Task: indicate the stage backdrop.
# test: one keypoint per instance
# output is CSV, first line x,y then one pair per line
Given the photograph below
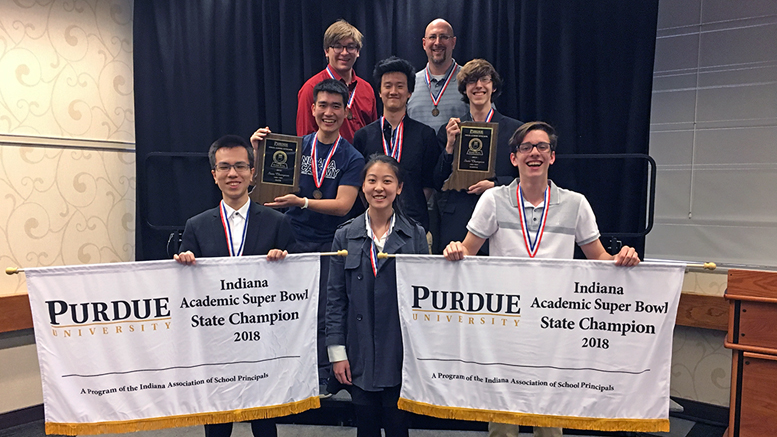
x,y
204,69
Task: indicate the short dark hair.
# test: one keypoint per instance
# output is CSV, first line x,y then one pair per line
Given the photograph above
x,y
332,86
525,128
391,65
230,141
474,70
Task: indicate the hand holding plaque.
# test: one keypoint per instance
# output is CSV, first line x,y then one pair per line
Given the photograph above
x,y
277,163
474,155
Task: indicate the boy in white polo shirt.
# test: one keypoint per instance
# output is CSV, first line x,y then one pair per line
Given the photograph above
x,y
515,220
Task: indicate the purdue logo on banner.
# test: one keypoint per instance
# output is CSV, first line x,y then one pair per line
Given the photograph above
x,y
141,346
575,344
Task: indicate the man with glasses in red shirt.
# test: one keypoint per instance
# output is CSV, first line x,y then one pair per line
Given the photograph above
x,y
342,43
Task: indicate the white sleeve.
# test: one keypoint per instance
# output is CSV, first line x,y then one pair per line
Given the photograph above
x,y
336,352
586,229
483,222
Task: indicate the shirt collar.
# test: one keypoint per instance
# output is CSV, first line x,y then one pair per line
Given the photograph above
x,y
340,78
514,200
243,210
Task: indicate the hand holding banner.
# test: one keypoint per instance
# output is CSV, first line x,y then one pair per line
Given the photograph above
x,y
141,346
576,344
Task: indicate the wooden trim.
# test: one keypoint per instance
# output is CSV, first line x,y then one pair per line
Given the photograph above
x,y
744,284
755,349
750,298
15,313
760,356
703,311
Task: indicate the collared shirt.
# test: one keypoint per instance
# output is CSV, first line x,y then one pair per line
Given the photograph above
x,y
420,105
570,221
363,109
237,218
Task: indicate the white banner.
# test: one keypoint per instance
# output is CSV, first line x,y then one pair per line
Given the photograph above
x,y
575,344
149,345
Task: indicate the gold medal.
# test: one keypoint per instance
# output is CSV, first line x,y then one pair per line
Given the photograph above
x,y
435,111
317,194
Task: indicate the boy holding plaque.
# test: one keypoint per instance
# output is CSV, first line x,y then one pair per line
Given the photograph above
x,y
330,177
534,218
479,84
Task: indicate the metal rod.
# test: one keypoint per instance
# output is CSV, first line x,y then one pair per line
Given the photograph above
x,y
705,266
343,252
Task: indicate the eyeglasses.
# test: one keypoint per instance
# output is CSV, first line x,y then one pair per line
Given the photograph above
x,y
441,38
485,80
240,167
526,147
351,48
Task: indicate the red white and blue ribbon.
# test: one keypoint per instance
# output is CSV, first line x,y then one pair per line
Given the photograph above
x,y
318,175
488,116
447,80
373,247
394,149
228,230
353,92
532,248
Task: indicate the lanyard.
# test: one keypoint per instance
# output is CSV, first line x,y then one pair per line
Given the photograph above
x,y
228,230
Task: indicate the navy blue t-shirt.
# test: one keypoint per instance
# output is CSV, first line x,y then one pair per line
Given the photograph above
x,y
344,169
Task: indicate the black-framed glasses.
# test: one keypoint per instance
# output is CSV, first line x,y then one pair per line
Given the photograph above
x,y
350,48
526,147
240,167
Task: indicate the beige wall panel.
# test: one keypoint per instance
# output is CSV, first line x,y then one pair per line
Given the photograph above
x,y
701,366
65,71
64,206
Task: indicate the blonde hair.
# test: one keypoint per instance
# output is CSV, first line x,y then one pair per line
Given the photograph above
x,y
339,30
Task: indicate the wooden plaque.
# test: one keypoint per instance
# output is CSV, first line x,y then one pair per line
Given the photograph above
x,y
277,163
474,155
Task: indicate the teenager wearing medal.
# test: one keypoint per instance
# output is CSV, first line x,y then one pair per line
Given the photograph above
x,y
362,316
236,227
329,183
342,44
436,101
411,143
479,85
536,219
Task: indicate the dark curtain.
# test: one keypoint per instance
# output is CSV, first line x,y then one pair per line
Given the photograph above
x,y
204,69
